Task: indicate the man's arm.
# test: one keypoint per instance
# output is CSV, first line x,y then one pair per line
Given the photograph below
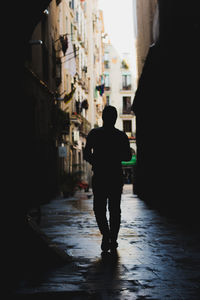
x,y
126,149
87,152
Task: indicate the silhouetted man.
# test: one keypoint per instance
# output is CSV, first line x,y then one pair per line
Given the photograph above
x,y
105,149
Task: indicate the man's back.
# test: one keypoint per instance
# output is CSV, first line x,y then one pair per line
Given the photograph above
x,y
105,149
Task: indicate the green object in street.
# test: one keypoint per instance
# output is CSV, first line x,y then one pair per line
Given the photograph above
x,y
131,162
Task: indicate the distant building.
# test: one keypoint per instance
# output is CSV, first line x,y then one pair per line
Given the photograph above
x,y
120,90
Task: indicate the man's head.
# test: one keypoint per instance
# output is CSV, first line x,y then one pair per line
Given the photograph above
x,y
109,115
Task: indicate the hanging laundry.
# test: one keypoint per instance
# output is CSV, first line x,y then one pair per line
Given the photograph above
x,y
95,93
64,43
78,107
100,88
85,104
69,96
102,79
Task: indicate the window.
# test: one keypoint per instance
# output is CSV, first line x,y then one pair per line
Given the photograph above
x,y
77,16
72,32
71,4
127,126
126,82
106,60
106,64
106,56
66,25
58,72
107,81
126,105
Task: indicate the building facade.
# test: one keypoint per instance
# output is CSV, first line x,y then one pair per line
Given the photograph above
x,y
41,85
74,86
66,60
120,90
144,15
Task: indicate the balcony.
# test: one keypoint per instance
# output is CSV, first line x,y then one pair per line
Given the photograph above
x,y
85,127
76,119
84,69
107,88
106,64
126,87
126,112
124,64
79,37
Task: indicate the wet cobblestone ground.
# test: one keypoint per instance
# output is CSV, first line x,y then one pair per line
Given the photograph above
x,y
157,258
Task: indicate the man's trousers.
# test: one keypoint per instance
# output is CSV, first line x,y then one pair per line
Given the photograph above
x,y
107,194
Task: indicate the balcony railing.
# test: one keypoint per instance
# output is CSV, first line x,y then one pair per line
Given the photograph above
x,y
76,118
83,123
85,127
127,87
126,111
106,64
107,88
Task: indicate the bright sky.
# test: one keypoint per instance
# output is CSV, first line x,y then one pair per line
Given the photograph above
x,y
118,22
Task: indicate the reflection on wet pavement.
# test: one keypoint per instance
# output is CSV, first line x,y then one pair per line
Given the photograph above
x,y
157,259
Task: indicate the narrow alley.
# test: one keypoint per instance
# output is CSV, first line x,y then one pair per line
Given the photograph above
x,y
62,69
157,258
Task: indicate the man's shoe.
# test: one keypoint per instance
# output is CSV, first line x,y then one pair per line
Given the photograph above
x,y
105,244
113,246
